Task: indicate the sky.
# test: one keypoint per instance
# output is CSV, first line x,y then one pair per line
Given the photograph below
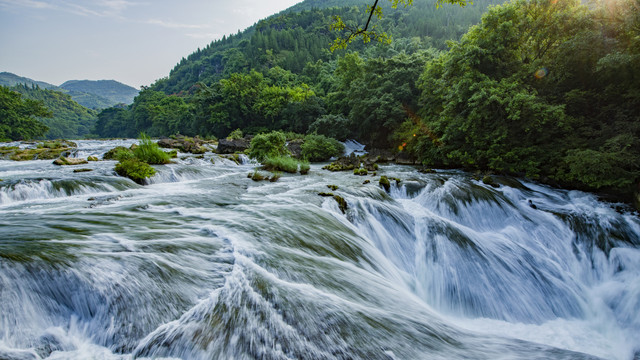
x,y
132,41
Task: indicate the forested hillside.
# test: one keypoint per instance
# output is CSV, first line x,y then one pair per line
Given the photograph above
x,y
99,94
69,119
542,88
112,91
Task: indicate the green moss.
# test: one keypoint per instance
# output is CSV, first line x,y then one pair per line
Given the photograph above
x,y
333,187
135,170
385,183
366,182
360,172
488,180
82,170
325,194
342,203
92,158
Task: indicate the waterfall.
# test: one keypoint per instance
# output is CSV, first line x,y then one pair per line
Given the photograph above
x,y
205,263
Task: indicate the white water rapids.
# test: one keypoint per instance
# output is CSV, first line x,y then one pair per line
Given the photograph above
x,y
205,263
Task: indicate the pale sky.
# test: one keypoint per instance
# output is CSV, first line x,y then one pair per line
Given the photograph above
x,y
132,41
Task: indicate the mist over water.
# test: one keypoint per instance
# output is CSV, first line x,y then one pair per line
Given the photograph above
x,y
204,263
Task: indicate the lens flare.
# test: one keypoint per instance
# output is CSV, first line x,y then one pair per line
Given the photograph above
x,y
542,72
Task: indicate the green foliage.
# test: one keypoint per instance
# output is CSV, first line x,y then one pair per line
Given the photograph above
x,y
271,145
68,119
18,117
235,135
546,104
148,151
281,163
320,148
135,170
304,167
333,126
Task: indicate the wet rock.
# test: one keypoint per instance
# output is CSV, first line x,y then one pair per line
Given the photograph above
x,y
403,158
333,187
64,161
381,155
6,354
92,158
488,180
385,183
82,170
184,144
231,146
344,163
295,147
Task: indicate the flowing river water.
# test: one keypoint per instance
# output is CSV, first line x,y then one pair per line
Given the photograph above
x,y
205,263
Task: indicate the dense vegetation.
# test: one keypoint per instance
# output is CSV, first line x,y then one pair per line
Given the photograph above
x,y
69,119
540,88
19,117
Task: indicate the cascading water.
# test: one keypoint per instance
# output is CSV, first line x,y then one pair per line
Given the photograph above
x,y
204,263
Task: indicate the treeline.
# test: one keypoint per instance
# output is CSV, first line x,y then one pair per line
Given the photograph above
x,y
548,89
68,120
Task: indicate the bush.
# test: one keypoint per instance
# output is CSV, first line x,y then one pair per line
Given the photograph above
x,y
304,167
135,170
235,135
281,163
268,145
321,148
149,152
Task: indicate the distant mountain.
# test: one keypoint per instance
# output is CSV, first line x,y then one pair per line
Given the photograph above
x,y
99,94
8,79
115,92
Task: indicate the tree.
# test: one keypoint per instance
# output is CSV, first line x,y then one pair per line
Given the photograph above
x,y
18,116
369,31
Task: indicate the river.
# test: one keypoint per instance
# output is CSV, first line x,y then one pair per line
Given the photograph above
x,y
204,263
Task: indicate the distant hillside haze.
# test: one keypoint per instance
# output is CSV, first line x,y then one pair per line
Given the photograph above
x,y
111,90
92,94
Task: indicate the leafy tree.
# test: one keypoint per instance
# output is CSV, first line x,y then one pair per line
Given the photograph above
x,y
18,117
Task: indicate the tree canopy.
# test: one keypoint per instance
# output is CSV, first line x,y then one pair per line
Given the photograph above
x,y
18,116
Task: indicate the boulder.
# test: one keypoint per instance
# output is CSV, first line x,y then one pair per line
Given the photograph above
x,y
184,144
69,161
403,158
295,147
231,146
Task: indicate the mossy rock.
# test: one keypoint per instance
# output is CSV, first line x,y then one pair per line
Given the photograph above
x,y
92,158
385,183
325,194
135,170
366,182
82,170
488,180
360,172
65,161
42,153
118,153
426,171
333,187
342,203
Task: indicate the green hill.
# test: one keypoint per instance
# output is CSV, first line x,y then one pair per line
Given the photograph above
x,y
70,120
8,79
99,94
114,92
300,35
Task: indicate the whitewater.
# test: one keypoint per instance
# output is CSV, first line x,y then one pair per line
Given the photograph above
x,y
204,263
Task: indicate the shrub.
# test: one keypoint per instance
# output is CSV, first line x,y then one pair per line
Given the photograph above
x,y
235,135
281,163
272,144
321,148
304,167
149,152
135,170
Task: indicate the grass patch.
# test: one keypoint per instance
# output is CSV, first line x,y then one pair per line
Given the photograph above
x,y
149,152
135,170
